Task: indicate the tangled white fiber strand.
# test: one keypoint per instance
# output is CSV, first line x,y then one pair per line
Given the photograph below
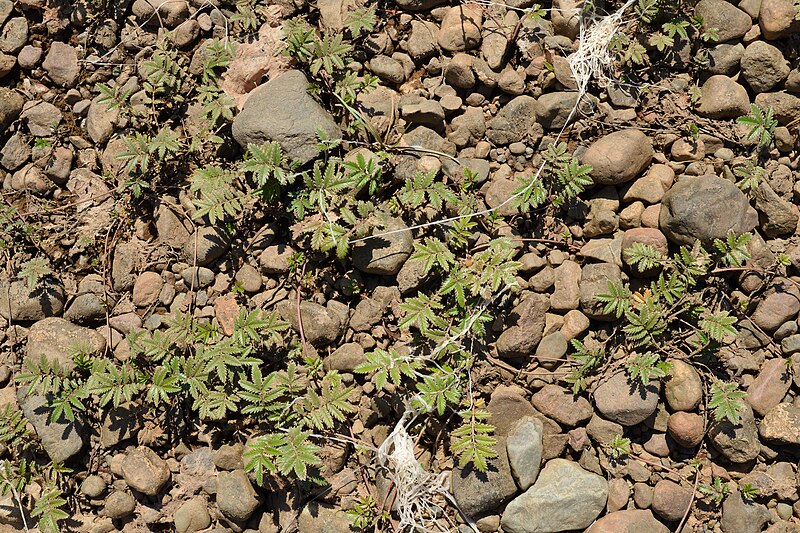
x,y
593,56
420,494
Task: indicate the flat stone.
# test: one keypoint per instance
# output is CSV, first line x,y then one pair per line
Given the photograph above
x,y
618,157
281,110
624,401
524,447
564,497
782,424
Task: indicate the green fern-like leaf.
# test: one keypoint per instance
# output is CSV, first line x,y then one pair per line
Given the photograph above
x,y
718,325
472,441
733,250
434,252
296,454
259,455
643,256
48,510
422,313
217,197
323,409
617,299
726,401
388,365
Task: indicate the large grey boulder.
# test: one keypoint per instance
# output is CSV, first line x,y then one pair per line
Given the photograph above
x,y
282,111
564,498
705,208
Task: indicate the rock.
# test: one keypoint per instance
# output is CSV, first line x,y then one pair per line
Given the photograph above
x,y
781,303
346,358
229,457
101,121
282,111
384,255
197,277
458,72
618,494
93,486
123,266
61,64
192,516
11,103
565,497
524,447
422,39
388,69
418,5
724,58
769,387
705,208
276,259
29,56
527,327
624,401
369,311
15,152
763,66
169,227
461,28
738,443
206,245
729,21
119,504
786,107
721,98
777,19
322,518
595,278
20,303
683,388
42,118
567,292
618,157
670,500
236,497
145,471
61,439
477,493
14,36
321,325
496,34
686,428
56,339
515,121
739,516
249,278
507,408
782,424
147,289
120,424
555,108
634,521
425,113
777,217
566,17
170,13
562,406
422,137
